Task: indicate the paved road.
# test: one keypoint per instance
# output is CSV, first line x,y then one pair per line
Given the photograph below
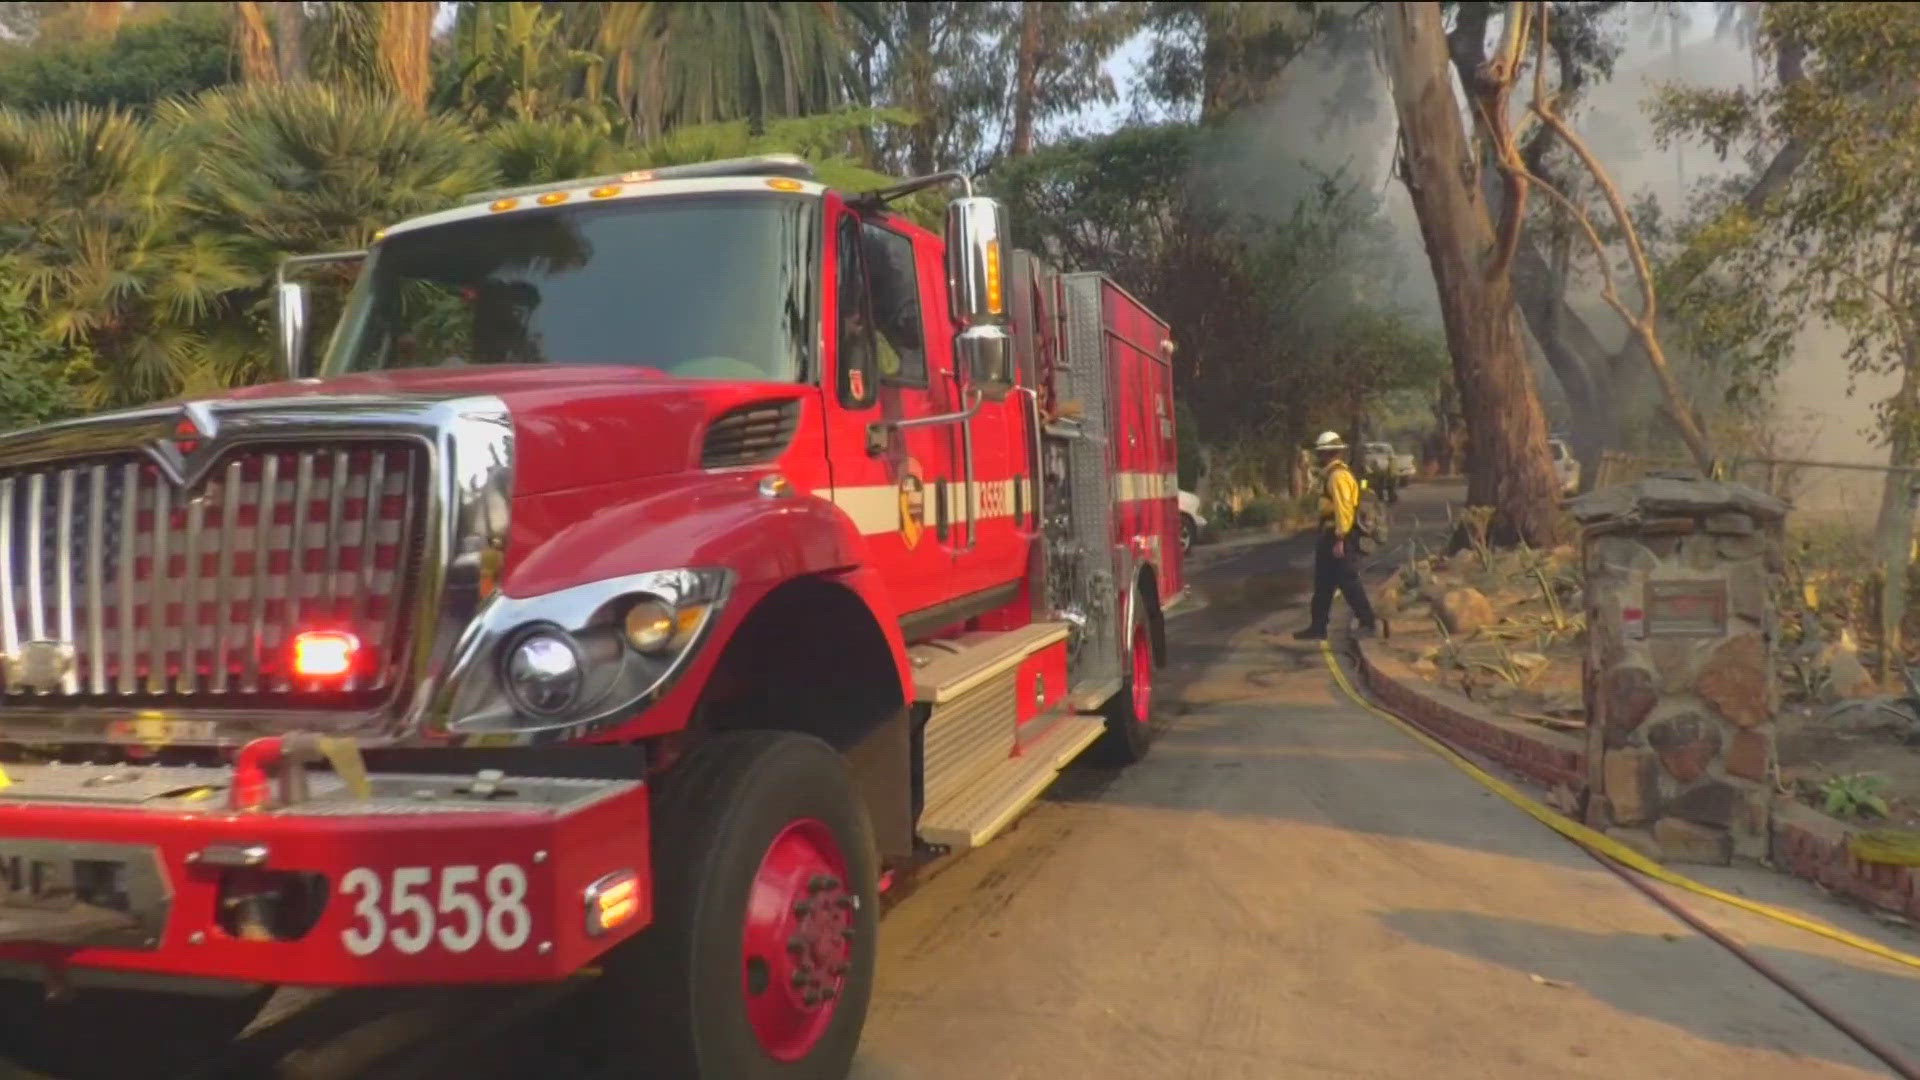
x,y
1289,887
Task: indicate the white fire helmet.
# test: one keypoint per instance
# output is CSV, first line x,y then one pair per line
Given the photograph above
x,y
1329,440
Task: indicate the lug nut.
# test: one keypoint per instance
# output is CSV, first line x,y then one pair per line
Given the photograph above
x,y
827,993
810,997
796,945
802,907
823,882
800,978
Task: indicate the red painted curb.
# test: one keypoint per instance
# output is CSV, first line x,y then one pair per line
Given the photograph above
x,y
1813,846
1547,757
1805,843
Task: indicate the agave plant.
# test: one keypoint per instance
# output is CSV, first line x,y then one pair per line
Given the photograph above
x,y
91,219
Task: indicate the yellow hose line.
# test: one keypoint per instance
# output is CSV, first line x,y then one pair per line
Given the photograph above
x,y
1605,845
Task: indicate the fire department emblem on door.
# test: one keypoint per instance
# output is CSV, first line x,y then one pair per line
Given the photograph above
x,y
913,503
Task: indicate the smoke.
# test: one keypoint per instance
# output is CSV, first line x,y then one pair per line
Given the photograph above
x,y
1332,113
1828,415
1329,116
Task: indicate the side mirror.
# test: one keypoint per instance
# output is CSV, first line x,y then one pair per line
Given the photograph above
x,y
290,325
290,306
976,261
975,251
985,353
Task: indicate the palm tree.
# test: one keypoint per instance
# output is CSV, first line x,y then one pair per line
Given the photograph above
x,y
405,36
295,169
258,64
91,205
670,64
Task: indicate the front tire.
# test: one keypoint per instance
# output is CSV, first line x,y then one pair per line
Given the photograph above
x,y
759,963
1130,714
111,1034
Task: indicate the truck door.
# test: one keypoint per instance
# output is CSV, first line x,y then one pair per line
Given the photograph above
x,y
899,464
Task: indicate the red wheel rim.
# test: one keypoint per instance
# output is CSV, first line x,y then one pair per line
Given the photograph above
x,y
1142,674
798,942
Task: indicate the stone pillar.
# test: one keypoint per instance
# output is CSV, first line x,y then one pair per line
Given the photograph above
x,y
1679,668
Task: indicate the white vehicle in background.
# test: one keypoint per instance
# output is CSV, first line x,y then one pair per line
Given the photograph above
x,y
1190,521
1380,460
1566,465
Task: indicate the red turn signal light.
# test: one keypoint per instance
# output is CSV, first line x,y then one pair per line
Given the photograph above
x,y
612,902
324,654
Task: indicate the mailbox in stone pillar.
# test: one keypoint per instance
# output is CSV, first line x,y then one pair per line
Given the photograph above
x,y
1678,673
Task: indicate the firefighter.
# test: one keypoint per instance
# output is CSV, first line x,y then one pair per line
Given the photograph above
x,y
1333,553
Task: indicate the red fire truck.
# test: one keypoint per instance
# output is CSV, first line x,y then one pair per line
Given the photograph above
x,y
651,569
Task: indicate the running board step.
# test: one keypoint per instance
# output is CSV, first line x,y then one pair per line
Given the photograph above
x,y
947,669
979,812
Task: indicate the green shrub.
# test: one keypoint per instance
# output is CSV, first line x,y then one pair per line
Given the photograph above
x,y
39,379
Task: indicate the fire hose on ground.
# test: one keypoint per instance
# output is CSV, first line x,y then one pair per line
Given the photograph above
x,y
1621,859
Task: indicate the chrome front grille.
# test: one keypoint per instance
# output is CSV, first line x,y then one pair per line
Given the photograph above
x,y
148,591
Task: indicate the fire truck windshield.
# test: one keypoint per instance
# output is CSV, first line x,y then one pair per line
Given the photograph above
x,y
705,286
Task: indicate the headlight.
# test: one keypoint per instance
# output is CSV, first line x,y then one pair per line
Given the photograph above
x,y
649,625
546,668
544,672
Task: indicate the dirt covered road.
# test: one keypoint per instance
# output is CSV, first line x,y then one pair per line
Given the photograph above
x,y
1290,887
1287,887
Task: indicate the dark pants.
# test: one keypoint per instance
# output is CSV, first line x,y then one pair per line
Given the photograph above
x,y
1341,572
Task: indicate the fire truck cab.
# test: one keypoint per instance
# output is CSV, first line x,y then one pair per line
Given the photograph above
x,y
649,568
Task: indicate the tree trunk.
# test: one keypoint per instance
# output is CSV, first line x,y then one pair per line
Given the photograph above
x,y
257,66
1025,72
406,32
290,45
1573,353
1507,464
1894,532
920,146
102,20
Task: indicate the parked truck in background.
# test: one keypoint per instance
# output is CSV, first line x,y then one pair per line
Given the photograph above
x,y
653,568
1566,467
1380,460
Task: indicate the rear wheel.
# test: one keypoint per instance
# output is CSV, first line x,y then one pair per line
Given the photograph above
x,y
110,1034
1188,533
759,963
1130,713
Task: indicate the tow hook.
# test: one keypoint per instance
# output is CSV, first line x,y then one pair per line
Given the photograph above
x,y
289,756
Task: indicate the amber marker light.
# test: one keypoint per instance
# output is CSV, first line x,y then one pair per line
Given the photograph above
x,y
612,902
993,278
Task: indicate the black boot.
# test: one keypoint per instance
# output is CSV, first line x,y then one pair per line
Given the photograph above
x,y
1311,633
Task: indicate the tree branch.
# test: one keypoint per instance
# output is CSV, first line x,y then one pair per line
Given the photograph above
x,y
1789,67
1493,87
1644,323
